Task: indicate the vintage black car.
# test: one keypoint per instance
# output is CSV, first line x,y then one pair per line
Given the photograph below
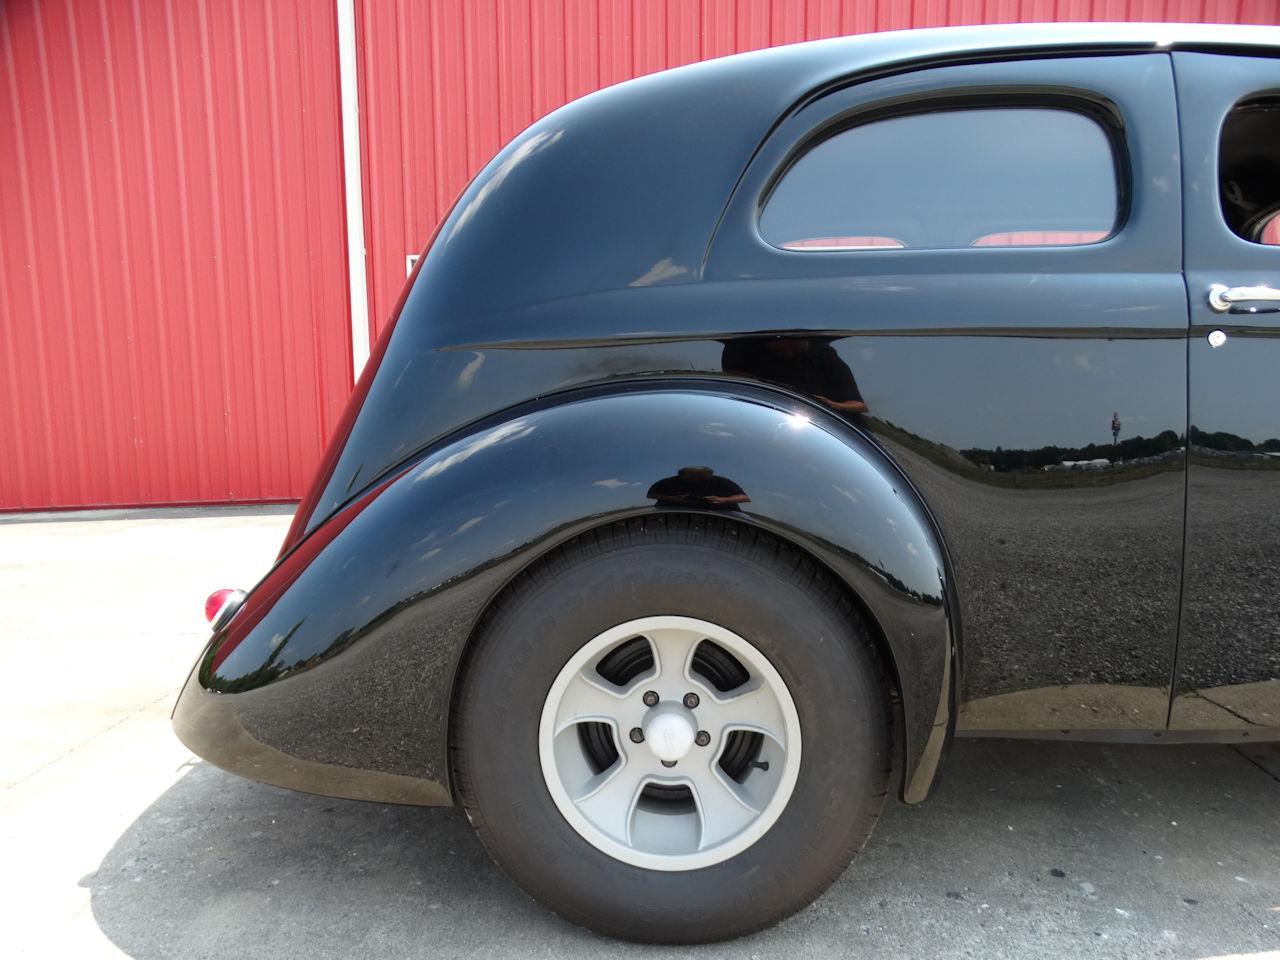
x,y
747,431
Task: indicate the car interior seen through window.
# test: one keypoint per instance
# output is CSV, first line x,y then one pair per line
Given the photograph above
x,y
976,177
1249,156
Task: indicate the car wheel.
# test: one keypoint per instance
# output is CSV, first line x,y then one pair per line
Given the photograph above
x,y
674,729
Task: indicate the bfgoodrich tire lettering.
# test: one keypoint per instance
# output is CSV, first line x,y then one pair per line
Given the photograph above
x,y
707,569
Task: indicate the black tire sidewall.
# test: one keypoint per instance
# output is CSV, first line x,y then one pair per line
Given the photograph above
x,y
828,668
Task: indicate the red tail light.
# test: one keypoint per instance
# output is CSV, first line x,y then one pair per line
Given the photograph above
x,y
222,600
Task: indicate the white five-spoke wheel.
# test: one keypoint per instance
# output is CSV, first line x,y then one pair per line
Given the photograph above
x,y
670,743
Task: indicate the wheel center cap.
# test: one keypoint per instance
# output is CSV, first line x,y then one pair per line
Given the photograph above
x,y
669,731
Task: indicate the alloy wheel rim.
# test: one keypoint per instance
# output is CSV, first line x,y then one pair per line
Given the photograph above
x,y
669,743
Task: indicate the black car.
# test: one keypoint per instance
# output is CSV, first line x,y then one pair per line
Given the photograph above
x,y
750,430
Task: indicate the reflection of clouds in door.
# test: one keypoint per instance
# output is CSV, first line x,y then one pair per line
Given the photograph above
x,y
662,271
1097,363
468,373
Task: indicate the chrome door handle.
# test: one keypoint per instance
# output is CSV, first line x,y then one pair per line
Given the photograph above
x,y
1222,298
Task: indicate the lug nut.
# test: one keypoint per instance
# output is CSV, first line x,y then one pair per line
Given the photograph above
x,y
702,739
668,763
691,700
650,699
637,735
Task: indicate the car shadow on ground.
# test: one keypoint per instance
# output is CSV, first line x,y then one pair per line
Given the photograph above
x,y
1025,849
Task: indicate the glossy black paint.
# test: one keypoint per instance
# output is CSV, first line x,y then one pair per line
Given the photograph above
x,y
1229,648
1028,349
389,601
599,311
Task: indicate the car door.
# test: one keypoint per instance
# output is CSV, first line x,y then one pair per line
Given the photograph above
x,y
1228,664
1018,343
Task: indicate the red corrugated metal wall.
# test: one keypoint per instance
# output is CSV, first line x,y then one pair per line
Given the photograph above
x,y
173,293
174,309
446,83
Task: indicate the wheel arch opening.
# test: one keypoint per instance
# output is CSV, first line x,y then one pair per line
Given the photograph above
x,y
676,519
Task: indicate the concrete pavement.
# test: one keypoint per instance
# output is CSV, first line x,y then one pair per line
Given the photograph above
x,y
118,842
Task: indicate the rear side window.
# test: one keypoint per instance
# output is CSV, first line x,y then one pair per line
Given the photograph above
x,y
1249,170
977,177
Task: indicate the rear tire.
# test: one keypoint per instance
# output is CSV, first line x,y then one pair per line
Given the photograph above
x,y
691,878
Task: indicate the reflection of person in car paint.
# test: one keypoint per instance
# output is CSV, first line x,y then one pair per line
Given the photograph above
x,y
808,365
697,487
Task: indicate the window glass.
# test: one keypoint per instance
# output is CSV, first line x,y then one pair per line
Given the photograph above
x,y
1009,176
1249,170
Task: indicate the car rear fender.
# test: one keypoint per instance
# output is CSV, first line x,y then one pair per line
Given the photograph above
x,y
337,674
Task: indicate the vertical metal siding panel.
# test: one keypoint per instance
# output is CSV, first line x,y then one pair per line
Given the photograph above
x,y
961,12
110,361
163,446
1221,11
173,264
51,229
265,102
448,62
719,28
22,329
857,16
547,55
182,54
582,47
649,36
1184,10
929,13
1072,10
216,144
1035,11
417,98
753,23
515,69
480,62
328,326
614,40
893,15
787,23
106,119
1110,10
172,279
271,290
252,183
684,32
1259,11
822,19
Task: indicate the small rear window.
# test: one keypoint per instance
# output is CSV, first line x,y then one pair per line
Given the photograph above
x,y
975,177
